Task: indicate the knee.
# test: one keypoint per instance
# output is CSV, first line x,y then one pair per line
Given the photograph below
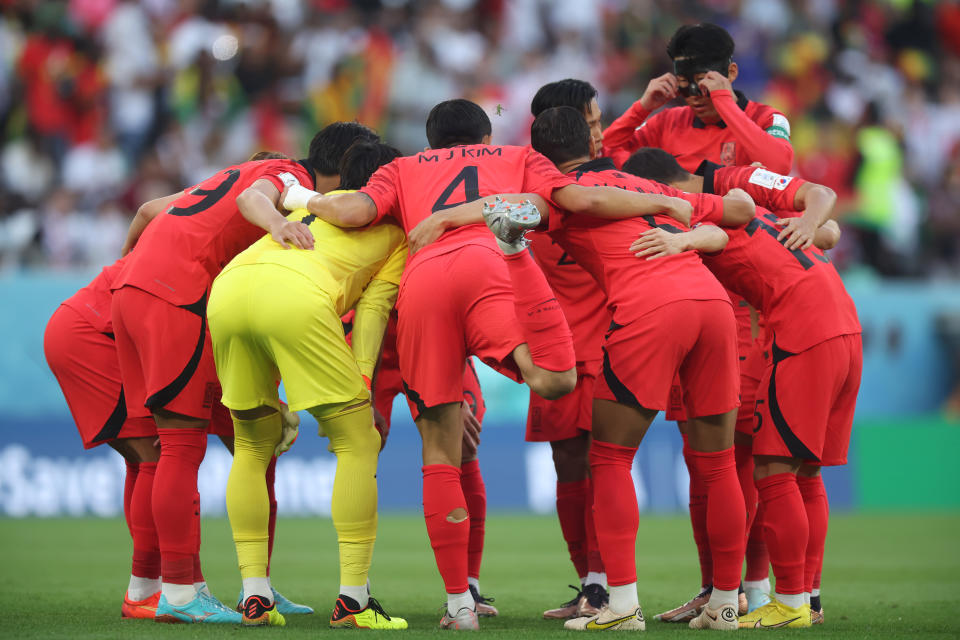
x,y
553,384
570,458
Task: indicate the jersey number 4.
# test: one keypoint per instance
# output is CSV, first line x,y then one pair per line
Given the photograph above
x,y
470,180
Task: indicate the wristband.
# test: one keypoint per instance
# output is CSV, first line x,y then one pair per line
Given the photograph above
x,y
297,197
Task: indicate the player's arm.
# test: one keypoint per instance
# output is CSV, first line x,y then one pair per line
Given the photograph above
x,y
622,137
258,205
738,208
817,203
827,236
373,311
147,212
771,147
429,229
341,209
658,242
611,202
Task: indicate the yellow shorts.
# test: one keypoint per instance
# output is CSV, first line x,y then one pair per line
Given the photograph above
x,y
270,323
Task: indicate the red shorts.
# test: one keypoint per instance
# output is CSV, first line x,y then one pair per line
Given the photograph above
x,y
450,306
751,370
165,356
806,402
84,361
389,386
695,340
566,417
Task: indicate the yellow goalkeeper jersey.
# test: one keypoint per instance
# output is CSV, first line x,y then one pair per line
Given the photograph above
x,y
358,268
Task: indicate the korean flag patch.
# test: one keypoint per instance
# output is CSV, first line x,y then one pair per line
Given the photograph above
x,y
769,179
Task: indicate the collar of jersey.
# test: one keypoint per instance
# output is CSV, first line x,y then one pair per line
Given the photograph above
x,y
742,102
305,163
706,170
597,164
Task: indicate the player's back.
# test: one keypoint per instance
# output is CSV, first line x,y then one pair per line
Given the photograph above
x,y
342,262
580,296
414,187
634,286
799,292
93,301
186,246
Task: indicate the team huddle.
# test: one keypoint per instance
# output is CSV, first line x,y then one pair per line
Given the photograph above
x,y
666,263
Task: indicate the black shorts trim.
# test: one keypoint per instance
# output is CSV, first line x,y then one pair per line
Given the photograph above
x,y
163,397
114,423
415,398
620,390
794,444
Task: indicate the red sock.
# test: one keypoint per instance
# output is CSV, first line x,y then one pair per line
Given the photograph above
x,y
129,482
197,569
176,507
594,559
541,318
146,547
818,512
442,495
475,494
272,495
698,517
785,529
571,505
758,560
744,457
726,515
615,509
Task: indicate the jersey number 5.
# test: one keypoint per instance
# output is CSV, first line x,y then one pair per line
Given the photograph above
x,y
470,179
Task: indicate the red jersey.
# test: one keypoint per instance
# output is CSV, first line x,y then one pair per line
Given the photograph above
x,y
635,286
184,248
747,132
414,187
93,301
580,297
800,293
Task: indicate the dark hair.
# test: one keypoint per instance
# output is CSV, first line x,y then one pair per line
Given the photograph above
x,y
655,164
268,155
561,134
704,41
361,160
563,93
456,122
331,142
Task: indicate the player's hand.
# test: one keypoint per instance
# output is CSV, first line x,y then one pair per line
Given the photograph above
x,y
715,81
657,243
471,432
680,210
659,91
294,233
290,425
797,233
426,232
382,426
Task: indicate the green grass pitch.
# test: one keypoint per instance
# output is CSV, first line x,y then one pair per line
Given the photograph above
x,y
885,576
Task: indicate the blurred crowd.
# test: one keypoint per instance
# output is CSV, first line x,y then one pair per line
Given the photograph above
x,y
107,103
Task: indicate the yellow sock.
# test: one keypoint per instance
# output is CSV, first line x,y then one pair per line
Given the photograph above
x,y
356,444
247,503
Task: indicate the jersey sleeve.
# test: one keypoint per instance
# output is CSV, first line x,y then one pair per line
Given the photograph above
x,y
707,208
768,189
772,149
392,269
542,177
383,189
373,313
622,137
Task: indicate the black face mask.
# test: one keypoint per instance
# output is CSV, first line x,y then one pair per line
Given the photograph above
x,y
690,67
